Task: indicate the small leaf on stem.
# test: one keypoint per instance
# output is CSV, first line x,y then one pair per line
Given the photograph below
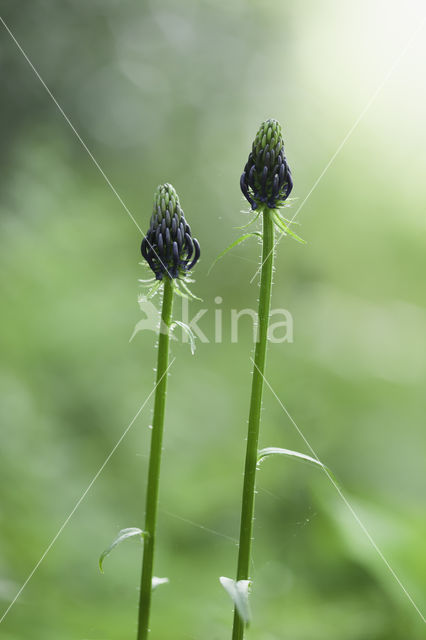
x,y
252,221
270,451
236,242
123,535
186,289
156,582
187,329
284,228
239,594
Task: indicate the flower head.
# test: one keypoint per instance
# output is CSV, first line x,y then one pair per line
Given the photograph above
x,y
266,179
168,246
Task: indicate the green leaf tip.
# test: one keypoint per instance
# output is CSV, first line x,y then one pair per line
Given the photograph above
x,y
271,451
123,535
252,221
252,234
187,330
281,225
238,591
181,288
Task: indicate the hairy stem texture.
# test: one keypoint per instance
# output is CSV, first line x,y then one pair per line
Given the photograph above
x,y
247,512
155,462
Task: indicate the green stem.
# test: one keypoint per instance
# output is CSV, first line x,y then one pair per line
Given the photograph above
x,y
155,461
247,512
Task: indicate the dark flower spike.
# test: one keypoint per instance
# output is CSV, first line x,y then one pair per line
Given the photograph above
x,y
266,180
168,246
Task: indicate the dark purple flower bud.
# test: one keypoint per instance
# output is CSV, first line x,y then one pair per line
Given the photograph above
x,y
266,180
163,247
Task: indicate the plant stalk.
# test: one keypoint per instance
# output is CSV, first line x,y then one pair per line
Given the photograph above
x,y
155,462
247,512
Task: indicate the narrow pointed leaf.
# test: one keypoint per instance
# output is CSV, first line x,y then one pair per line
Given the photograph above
x,y
270,451
252,221
188,295
123,535
188,332
151,293
149,281
285,228
239,594
288,221
252,234
180,293
183,284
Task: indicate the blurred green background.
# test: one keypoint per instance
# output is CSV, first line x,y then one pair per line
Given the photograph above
x,y
166,91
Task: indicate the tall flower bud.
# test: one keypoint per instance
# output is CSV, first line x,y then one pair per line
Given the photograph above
x,y
168,246
267,178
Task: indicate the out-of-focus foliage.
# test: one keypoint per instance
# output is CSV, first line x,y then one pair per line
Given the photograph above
x,y
166,91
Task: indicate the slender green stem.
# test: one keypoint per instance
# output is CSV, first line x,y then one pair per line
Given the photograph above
x,y
155,461
246,527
